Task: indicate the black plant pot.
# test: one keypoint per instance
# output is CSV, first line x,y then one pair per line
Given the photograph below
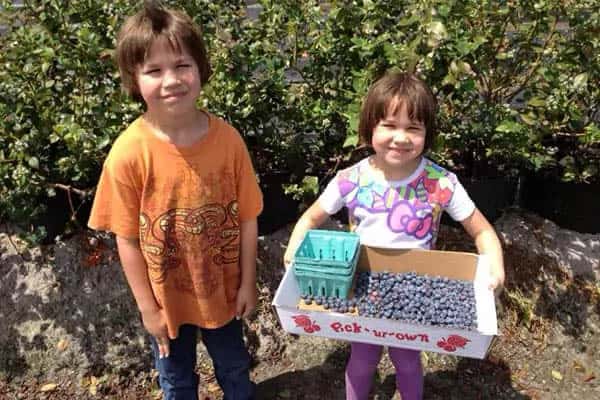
x,y
491,196
574,206
279,209
59,214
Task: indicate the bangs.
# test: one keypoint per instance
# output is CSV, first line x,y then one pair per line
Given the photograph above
x,y
416,109
135,51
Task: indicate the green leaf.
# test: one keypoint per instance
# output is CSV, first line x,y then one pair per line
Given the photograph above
x,y
408,21
437,28
580,81
310,184
503,55
508,126
351,140
33,162
529,119
537,102
104,142
592,135
567,161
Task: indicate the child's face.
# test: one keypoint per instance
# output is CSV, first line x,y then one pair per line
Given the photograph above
x,y
168,81
398,141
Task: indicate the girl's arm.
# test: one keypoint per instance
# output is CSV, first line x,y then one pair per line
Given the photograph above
x,y
246,296
487,242
312,218
136,273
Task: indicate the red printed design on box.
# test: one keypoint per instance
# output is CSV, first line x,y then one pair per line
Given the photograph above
x,y
306,323
452,343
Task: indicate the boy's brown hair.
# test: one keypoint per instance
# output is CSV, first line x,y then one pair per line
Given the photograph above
x,y
151,23
403,89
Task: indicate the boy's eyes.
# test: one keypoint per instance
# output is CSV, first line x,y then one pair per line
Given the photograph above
x,y
183,66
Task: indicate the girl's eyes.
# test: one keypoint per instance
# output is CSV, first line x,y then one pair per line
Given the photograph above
x,y
157,70
412,128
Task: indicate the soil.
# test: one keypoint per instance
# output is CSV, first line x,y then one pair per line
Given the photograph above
x,y
548,347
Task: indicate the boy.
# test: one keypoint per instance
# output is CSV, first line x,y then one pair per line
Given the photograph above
x,y
179,192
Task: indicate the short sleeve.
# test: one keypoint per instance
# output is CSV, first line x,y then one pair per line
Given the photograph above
x,y
331,200
460,206
249,195
116,206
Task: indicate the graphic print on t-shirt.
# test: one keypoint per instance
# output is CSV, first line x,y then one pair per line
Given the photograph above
x,y
412,209
210,233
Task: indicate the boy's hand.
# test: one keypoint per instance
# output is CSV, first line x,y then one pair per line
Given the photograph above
x,y
246,300
156,324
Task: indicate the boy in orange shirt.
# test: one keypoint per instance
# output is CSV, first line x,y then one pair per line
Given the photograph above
x,y
179,192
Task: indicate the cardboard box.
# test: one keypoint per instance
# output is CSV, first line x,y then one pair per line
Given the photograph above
x,y
456,265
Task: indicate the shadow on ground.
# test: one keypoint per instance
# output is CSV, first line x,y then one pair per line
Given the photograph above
x,y
468,379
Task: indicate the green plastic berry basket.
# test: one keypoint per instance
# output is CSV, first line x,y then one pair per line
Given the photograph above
x,y
334,249
325,262
318,284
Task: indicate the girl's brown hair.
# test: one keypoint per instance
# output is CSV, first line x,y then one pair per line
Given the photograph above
x,y
398,89
154,22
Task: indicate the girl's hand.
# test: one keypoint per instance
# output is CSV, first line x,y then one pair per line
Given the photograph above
x,y
487,243
496,280
246,301
288,257
156,325
311,219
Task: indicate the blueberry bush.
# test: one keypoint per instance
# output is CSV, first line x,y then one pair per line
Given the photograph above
x,y
518,85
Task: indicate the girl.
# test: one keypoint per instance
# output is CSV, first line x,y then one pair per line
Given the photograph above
x,y
395,198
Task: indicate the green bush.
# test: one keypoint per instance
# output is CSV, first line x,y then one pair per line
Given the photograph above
x,y
517,83
61,105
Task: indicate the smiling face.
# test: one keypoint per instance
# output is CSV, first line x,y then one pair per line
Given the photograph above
x,y
398,141
168,80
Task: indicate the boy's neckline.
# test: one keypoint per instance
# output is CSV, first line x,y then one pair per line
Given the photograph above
x,y
158,137
380,176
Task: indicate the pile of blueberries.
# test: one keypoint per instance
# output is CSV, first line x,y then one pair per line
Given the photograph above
x,y
414,298
408,297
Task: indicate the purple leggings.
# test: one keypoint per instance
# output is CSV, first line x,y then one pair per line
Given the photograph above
x,y
363,363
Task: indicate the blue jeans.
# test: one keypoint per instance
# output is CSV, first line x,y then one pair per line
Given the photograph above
x,y
229,355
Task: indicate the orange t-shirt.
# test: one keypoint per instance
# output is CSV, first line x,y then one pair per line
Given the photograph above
x,y
185,204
